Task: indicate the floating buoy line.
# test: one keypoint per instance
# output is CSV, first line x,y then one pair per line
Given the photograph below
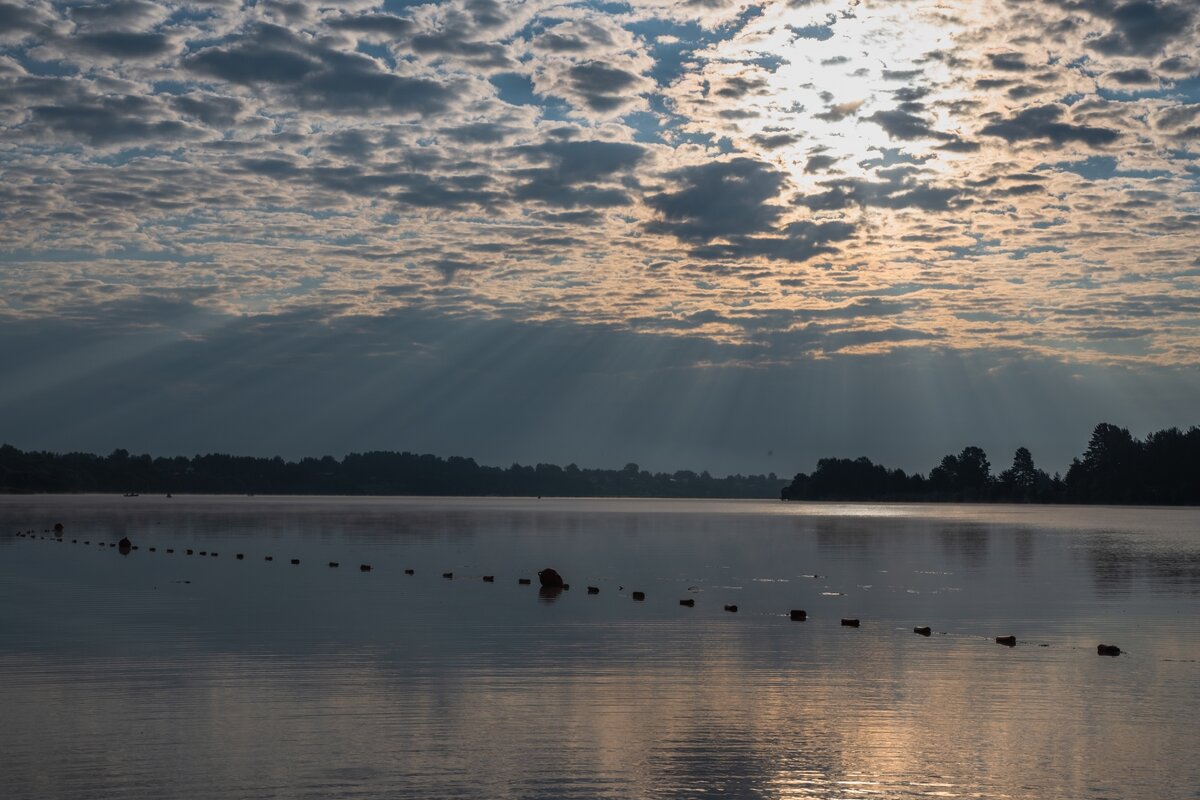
x,y
551,582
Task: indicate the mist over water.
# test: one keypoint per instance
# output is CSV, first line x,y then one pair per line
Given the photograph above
x,y
154,675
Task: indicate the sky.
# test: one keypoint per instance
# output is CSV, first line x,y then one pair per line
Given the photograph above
x,y
705,234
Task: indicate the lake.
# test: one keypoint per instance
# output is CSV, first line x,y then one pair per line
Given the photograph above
x,y
156,674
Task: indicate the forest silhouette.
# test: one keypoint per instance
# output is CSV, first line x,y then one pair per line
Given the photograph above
x,y
1116,468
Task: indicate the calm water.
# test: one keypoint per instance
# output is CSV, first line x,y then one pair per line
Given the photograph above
x,y
159,675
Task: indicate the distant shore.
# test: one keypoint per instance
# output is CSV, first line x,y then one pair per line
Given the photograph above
x,y
1115,469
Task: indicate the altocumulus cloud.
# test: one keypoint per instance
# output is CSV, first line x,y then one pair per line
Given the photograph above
x,y
708,173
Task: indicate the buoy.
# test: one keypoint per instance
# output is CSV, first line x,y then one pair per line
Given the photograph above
x,y
923,630
593,590
333,563
408,572
799,615
1007,641
364,567
203,552
125,544
1107,650
240,556
524,581
565,586
152,549
213,554
58,527
448,575
850,623
639,595
269,558
690,602
550,578
731,607
489,578
170,549
295,561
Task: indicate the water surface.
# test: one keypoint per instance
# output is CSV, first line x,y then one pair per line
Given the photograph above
x,y
152,675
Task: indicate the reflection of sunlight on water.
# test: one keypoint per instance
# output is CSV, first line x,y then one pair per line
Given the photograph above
x,y
256,681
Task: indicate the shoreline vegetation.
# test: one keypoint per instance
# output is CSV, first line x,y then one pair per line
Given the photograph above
x,y
1116,469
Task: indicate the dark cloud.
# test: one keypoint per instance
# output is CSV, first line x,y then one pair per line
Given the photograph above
x,y
738,86
215,111
795,242
720,198
116,119
819,162
576,37
1139,27
898,190
603,87
1133,77
904,125
1008,62
573,168
1044,123
121,44
774,140
317,77
22,20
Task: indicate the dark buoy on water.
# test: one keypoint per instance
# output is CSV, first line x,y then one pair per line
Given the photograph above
x,y
550,578
124,545
333,564
409,572
448,576
639,595
240,556
295,561
269,558
690,602
58,528
1007,641
850,622
1107,650
364,567
731,607
593,590
923,630
524,581
169,549
489,578
799,615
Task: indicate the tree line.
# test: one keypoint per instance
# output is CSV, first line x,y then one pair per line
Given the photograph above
x,y
373,473
1117,468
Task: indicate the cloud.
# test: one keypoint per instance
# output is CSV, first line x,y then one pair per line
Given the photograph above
x,y
603,87
316,76
1044,123
719,198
